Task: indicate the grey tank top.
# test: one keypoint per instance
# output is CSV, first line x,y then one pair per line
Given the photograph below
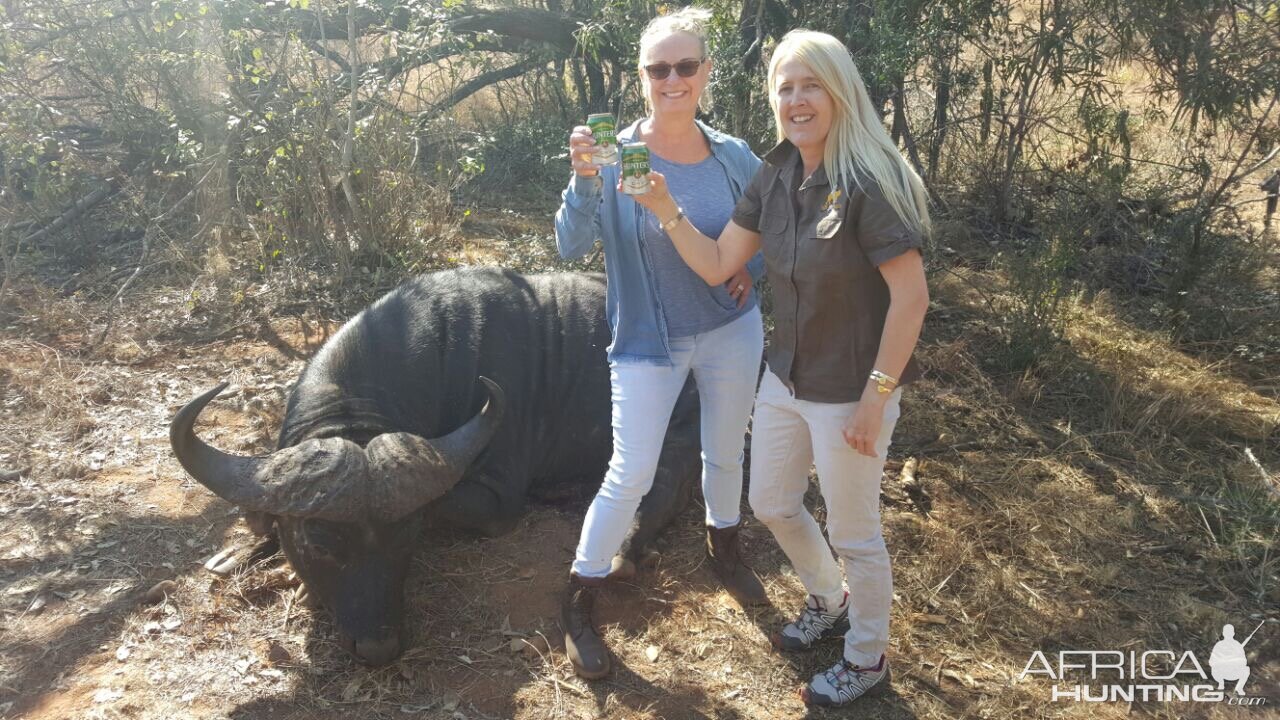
x,y
689,305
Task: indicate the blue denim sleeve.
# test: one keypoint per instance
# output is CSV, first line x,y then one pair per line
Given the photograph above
x,y
578,219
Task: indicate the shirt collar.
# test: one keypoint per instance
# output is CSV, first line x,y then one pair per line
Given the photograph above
x,y
786,157
713,136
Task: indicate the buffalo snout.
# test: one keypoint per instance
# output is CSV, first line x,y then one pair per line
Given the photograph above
x,y
374,651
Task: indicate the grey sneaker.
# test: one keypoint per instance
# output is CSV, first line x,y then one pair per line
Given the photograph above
x,y
815,623
846,682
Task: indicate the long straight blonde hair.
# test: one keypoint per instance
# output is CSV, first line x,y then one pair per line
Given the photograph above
x,y
858,146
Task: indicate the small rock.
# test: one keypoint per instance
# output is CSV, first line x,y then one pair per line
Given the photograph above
x,y
159,592
277,654
37,604
106,695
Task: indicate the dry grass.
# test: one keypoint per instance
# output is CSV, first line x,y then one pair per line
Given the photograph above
x,y
1101,500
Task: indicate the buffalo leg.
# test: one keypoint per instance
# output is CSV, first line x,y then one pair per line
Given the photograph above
x,y
482,503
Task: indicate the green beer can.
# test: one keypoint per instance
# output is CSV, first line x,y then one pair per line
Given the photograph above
x,y
635,168
603,129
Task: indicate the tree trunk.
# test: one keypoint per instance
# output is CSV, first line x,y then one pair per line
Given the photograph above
x,y
942,102
598,98
858,16
988,102
580,86
901,130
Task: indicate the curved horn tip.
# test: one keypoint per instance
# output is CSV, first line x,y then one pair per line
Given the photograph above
x,y
496,395
211,394
185,418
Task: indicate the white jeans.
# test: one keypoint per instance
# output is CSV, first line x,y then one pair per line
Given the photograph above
x,y
787,436
724,362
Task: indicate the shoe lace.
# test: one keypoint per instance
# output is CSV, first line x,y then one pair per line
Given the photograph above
x,y
845,674
580,607
812,619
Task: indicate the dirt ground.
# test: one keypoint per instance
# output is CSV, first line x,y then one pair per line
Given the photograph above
x,y
1104,501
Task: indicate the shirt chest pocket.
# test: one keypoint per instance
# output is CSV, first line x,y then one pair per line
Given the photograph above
x,y
774,238
825,249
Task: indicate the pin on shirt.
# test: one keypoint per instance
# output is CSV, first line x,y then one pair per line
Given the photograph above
x,y
832,198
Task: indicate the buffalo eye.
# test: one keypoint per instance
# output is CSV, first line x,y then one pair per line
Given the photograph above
x,y
326,539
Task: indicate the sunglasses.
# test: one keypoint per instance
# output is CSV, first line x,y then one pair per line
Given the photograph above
x,y
684,68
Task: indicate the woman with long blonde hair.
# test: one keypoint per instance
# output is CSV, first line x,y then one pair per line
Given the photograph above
x,y
841,218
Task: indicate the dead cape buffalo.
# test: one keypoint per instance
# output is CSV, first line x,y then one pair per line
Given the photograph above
x,y
447,402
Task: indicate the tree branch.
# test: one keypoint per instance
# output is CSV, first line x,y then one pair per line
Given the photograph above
x,y
478,83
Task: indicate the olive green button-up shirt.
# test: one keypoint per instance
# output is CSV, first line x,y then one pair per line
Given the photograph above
x,y
822,246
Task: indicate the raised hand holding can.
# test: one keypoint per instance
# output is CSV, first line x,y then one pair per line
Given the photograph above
x,y
603,129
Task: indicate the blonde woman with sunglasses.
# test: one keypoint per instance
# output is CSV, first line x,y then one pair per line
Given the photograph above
x,y
667,323
841,219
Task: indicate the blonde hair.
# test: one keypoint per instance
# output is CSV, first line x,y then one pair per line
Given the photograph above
x,y
858,144
691,20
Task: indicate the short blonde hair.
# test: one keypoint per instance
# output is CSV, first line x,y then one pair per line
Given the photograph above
x,y
858,144
691,20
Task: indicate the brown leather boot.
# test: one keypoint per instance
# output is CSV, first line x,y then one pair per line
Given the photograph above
x,y
726,560
583,645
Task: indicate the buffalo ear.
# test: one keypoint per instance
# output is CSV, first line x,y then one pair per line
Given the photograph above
x,y
411,471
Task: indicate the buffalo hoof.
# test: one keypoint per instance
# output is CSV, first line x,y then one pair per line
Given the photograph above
x,y
623,568
649,560
239,555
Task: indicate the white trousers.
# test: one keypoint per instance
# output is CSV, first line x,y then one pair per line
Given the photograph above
x,y
724,362
787,437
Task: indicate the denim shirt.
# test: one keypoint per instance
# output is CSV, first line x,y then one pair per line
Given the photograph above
x,y
588,212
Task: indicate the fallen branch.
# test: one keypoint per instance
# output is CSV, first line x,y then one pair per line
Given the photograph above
x,y
1268,480
81,206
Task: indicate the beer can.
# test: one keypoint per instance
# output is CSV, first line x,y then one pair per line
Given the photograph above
x,y
635,168
603,129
